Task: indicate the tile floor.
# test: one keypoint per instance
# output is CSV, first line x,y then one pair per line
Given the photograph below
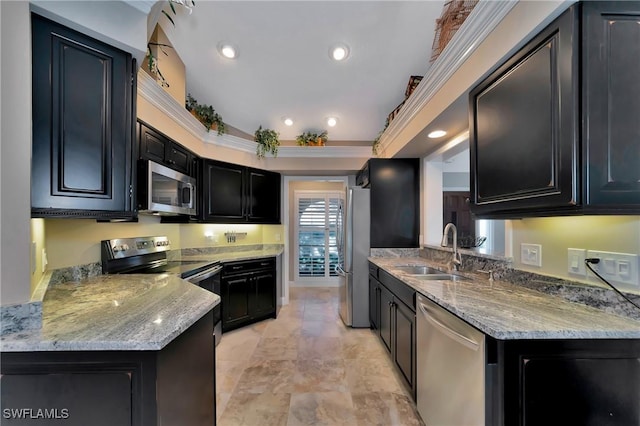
x,y
307,368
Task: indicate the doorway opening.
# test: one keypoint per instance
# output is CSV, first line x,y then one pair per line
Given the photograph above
x,y
316,237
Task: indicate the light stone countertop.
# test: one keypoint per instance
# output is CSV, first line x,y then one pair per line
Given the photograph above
x,y
114,312
506,311
206,255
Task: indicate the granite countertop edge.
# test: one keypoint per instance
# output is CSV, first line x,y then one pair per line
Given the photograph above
x,y
547,316
92,324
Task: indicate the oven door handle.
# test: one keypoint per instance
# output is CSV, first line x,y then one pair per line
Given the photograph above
x,y
204,274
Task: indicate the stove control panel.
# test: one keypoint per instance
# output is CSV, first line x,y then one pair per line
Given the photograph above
x,y
127,247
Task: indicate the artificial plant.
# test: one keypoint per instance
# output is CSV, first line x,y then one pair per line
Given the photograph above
x,y
312,139
205,114
267,141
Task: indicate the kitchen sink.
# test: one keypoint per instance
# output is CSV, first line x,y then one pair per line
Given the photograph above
x,y
440,276
418,270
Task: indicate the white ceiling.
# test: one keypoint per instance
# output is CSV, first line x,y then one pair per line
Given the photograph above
x,y
283,66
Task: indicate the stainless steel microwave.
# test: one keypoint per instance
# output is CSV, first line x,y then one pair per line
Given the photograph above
x,y
164,191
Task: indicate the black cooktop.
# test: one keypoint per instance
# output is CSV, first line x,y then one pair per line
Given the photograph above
x,y
184,268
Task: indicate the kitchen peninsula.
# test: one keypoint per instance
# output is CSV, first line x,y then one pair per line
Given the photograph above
x,y
117,349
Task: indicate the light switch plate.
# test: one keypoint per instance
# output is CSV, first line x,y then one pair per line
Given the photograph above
x,y
575,262
617,268
531,254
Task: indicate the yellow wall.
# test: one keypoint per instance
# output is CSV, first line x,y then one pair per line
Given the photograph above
x,y
38,240
169,64
71,242
557,234
212,235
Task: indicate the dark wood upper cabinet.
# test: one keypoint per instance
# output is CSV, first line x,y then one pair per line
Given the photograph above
x,y
263,203
231,193
222,187
83,124
611,100
523,130
555,129
159,148
395,200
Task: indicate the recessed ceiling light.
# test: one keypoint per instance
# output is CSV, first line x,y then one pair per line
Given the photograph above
x,y
339,52
332,121
288,121
227,50
437,134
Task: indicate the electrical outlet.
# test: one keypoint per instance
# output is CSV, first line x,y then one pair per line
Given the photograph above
x,y
531,254
575,262
617,268
277,237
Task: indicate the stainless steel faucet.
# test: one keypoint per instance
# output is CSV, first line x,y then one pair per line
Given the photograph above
x,y
457,260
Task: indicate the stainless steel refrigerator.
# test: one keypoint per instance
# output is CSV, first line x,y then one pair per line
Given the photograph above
x,y
353,230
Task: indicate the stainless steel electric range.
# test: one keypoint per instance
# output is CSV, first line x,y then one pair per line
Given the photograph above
x,y
144,255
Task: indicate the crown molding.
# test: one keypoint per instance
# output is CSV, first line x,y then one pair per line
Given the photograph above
x,y
325,151
482,20
151,91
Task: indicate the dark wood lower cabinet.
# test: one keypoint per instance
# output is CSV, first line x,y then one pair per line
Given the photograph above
x,y
395,323
386,317
586,382
172,386
236,293
374,303
248,292
404,348
567,382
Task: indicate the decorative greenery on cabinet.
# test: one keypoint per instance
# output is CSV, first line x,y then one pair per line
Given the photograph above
x,y
376,142
267,141
312,139
205,114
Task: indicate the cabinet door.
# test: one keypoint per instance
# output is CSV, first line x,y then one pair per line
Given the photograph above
x,y
157,147
263,203
73,398
264,298
386,317
83,124
222,189
395,195
611,99
153,145
374,303
584,391
404,342
524,126
236,294
178,158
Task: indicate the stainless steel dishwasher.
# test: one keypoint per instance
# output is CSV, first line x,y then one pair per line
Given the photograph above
x,y
450,368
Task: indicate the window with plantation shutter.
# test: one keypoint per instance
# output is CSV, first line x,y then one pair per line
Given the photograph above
x,y
316,235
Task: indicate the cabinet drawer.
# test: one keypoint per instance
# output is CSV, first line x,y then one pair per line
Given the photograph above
x,y
246,266
400,290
